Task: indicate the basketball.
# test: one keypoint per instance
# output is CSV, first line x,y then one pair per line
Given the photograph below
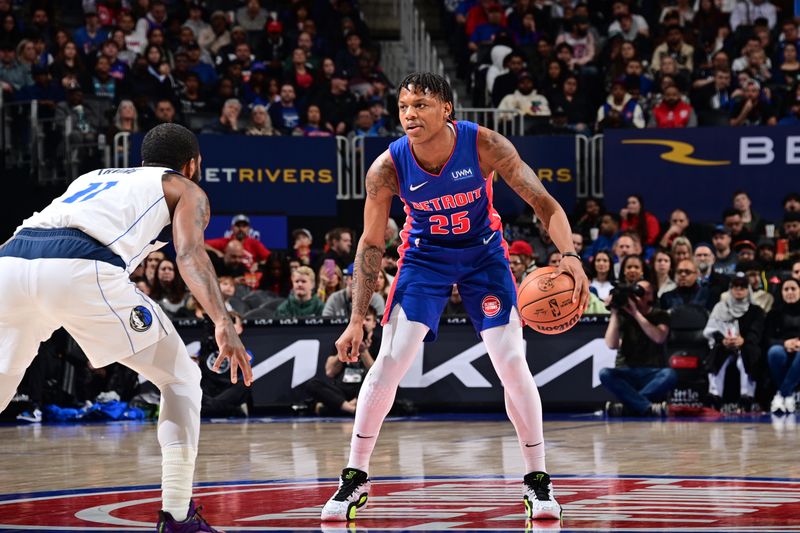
x,y
546,303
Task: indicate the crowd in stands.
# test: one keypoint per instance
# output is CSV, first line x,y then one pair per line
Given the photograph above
x,y
587,65
304,68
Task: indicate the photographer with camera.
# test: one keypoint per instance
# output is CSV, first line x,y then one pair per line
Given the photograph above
x,y
638,331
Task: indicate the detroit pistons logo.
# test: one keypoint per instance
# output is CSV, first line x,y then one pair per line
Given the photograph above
x,y
491,306
545,284
141,319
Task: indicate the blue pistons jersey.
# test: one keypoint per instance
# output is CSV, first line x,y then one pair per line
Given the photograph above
x,y
452,236
454,207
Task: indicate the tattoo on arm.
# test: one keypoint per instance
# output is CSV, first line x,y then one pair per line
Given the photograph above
x,y
381,176
365,278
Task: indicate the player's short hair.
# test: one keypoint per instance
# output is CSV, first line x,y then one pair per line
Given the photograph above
x,y
428,82
169,145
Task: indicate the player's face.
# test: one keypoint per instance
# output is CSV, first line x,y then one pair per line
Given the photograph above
x,y
422,114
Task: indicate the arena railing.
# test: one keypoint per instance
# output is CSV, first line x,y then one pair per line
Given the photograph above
x,y
595,158
18,134
120,150
507,122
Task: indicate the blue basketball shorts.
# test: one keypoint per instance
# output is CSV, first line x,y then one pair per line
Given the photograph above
x,y
426,274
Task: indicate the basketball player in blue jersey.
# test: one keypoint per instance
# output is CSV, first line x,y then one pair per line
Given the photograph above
x,y
69,265
443,171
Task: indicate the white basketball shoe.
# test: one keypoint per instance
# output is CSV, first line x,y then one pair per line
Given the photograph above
x,y
351,496
540,503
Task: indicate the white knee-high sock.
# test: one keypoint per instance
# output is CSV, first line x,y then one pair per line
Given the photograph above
x,y
399,346
507,351
169,367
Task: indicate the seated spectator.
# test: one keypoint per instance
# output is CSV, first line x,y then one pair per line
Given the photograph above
x,y
521,260
340,246
791,231
169,290
634,70
635,218
552,82
260,123
689,291
734,332
663,273
365,126
337,392
671,74
86,123
601,274
674,47
89,37
13,75
340,303
484,33
607,235
678,224
505,84
673,112
640,379
276,277
783,339
714,101
787,72
751,271
300,74
255,253
574,104
752,108
330,280
683,11
744,13
219,36
232,261
204,69
542,244
44,90
192,100
347,59
284,114
620,110
383,286
455,305
228,121
554,259
717,283
753,222
632,269
732,219
525,100
582,43
252,17
227,287
314,125
793,116
681,249
165,112
725,262
302,301
745,251
636,24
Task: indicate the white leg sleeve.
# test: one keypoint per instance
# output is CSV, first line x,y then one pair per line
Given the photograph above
x,y
507,351
167,364
399,346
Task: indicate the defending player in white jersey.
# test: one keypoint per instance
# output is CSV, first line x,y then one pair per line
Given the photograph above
x,y
68,266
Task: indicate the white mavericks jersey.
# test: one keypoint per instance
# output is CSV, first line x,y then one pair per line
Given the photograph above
x,y
122,208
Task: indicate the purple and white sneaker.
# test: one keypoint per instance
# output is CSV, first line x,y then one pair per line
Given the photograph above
x,y
194,522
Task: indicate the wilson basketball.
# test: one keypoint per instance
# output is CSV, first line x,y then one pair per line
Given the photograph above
x,y
546,303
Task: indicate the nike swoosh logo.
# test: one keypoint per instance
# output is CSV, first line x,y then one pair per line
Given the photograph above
x,y
532,445
487,239
362,437
413,188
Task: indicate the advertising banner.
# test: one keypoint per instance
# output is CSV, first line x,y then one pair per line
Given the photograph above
x,y
453,371
277,175
698,169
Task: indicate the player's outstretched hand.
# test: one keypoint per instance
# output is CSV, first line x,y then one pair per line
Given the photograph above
x,y
348,343
231,347
574,267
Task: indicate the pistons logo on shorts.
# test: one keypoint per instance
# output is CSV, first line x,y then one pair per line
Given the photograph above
x,y
491,306
141,318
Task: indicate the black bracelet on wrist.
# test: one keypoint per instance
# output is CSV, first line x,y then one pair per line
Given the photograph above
x,y
571,254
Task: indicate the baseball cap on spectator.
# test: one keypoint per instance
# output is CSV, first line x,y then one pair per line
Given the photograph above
x,y
745,244
302,231
701,244
739,279
239,219
349,270
274,26
720,229
520,248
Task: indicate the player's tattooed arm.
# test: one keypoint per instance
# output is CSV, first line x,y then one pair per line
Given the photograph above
x,y
189,221
381,186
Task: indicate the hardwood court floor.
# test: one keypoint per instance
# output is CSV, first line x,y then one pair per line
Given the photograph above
x,y
262,475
